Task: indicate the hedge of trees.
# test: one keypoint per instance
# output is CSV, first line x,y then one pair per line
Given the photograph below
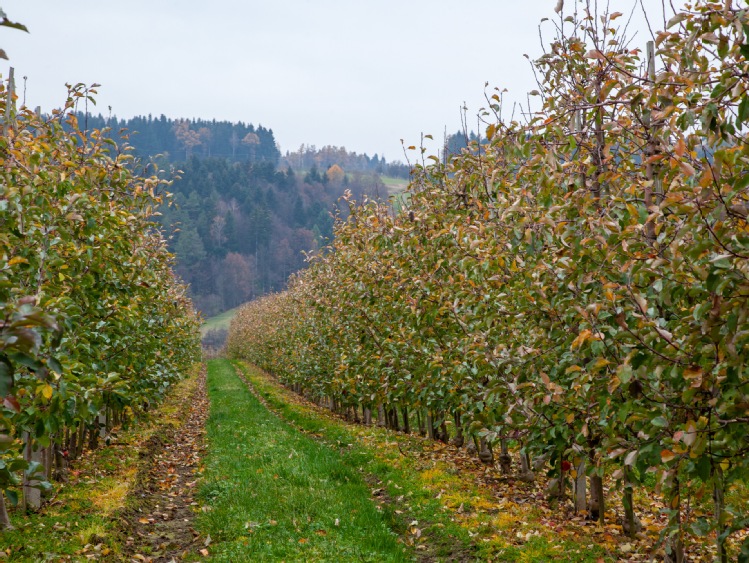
x,y
576,284
94,326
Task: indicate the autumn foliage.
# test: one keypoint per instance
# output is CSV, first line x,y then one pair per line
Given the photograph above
x,y
577,284
94,326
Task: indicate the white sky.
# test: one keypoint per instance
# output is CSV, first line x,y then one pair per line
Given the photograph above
x,y
353,73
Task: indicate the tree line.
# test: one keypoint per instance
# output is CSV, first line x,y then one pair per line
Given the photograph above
x,y
241,218
176,140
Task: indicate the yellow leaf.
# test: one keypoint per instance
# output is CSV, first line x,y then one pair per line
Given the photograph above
x,y
17,260
686,168
601,362
47,391
581,338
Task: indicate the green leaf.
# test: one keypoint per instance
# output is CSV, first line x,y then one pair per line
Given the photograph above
x,y
704,468
6,377
743,110
54,365
659,422
15,25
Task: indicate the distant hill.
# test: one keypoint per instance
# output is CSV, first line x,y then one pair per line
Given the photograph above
x,y
180,139
242,216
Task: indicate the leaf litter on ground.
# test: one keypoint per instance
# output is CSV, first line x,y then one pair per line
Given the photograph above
x,y
158,524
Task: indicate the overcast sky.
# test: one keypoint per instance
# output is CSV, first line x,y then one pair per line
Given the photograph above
x,y
353,73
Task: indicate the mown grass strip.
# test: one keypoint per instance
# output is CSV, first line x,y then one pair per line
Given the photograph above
x,y
273,494
415,512
456,518
81,521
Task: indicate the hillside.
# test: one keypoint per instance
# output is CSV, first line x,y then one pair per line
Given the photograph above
x,y
242,216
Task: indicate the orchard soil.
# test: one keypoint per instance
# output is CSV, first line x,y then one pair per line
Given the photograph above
x,y
158,522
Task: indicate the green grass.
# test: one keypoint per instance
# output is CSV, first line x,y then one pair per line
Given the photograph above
x,y
219,321
435,534
273,494
394,185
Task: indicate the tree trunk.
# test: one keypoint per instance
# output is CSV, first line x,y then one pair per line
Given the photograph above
x,y
674,543
629,507
406,425
392,418
80,439
718,490
72,442
48,459
61,465
93,438
526,474
505,461
580,488
597,509
430,426
4,518
562,480
367,417
380,415
459,439
485,452
443,434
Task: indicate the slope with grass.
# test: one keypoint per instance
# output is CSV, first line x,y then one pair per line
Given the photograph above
x,y
219,322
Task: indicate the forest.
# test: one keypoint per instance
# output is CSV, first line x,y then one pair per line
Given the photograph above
x,y
241,217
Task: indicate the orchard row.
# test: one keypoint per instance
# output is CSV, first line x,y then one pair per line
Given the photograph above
x,y
94,327
575,284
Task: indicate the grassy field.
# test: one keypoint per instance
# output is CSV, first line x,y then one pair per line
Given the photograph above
x,y
274,494
394,185
219,321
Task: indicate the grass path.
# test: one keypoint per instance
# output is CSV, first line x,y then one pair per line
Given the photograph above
x,y
272,494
